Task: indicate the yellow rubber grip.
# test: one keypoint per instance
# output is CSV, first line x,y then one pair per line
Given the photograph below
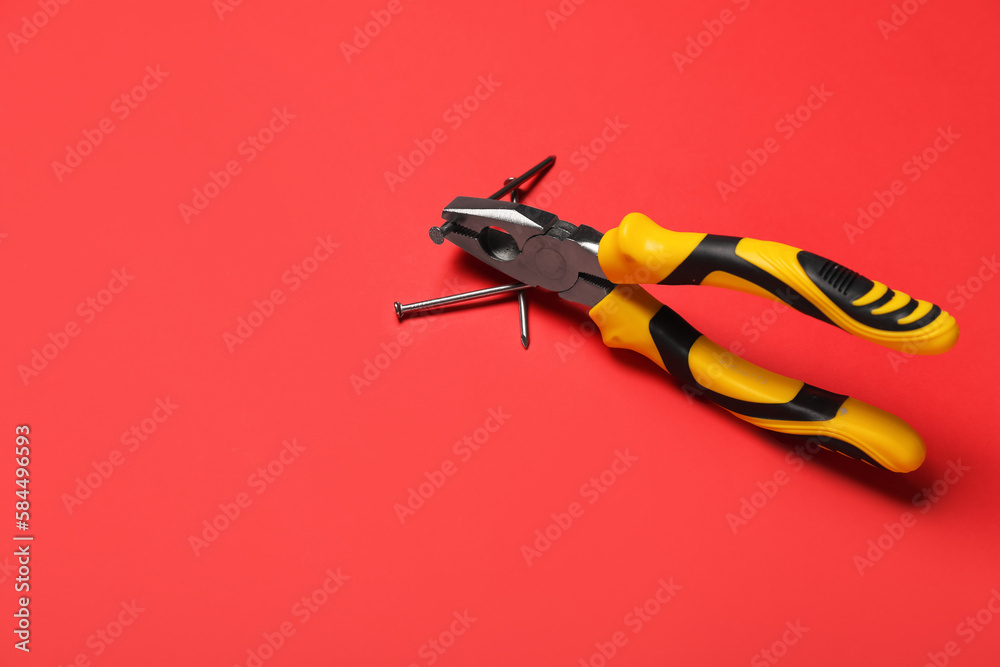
x,y
639,251
631,318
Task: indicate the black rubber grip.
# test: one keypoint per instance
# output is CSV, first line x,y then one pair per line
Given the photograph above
x,y
843,287
718,253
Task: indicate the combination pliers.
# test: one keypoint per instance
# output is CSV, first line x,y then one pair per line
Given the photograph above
x,y
604,273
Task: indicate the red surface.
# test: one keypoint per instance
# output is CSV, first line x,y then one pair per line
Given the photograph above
x,y
361,448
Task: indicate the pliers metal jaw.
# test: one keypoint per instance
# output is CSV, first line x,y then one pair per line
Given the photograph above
x,y
604,273
529,245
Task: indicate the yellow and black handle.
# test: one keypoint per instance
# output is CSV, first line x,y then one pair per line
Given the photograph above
x,y
631,318
639,251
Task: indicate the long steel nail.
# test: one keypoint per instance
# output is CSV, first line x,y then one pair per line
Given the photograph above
x,y
522,307
403,309
511,184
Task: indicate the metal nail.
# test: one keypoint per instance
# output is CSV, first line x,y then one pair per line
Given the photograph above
x,y
403,309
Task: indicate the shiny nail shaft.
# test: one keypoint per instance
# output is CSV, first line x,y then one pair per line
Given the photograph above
x,y
403,309
522,308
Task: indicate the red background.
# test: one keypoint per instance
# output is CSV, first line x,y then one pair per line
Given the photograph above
x,y
365,446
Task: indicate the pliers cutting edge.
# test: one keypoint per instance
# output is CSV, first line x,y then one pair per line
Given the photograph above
x,y
604,272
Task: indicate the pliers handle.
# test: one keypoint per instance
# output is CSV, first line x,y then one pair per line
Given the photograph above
x,y
640,251
639,248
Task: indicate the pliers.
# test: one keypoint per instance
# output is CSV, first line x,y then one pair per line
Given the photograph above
x,y
604,272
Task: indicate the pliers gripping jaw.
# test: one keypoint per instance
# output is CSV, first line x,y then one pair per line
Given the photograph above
x,y
529,245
